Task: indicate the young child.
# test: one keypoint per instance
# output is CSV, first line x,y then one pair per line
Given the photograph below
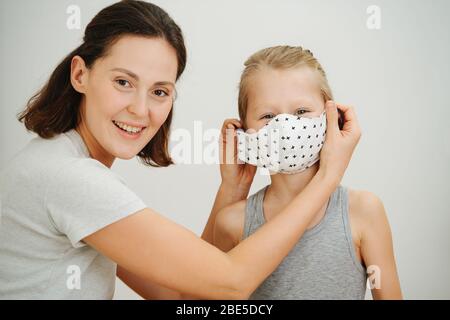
x,y
282,96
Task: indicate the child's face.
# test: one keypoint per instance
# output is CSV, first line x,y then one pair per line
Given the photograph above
x,y
273,91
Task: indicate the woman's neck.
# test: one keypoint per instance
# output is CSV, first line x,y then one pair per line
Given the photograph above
x,y
96,151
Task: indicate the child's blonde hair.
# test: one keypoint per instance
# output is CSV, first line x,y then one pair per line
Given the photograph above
x,y
279,57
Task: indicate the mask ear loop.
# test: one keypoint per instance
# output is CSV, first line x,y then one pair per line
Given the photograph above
x,y
341,119
241,144
244,142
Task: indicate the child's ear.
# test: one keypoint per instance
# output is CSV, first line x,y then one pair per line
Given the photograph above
x,y
242,125
78,74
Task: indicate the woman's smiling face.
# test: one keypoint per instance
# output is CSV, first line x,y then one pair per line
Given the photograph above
x,y
273,91
127,95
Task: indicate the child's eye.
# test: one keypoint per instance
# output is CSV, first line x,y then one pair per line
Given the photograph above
x,y
267,116
123,83
300,111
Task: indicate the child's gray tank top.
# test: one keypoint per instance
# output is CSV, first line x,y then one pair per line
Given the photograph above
x,y
322,265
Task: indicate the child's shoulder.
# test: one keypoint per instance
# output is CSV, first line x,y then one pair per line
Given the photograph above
x,y
364,202
365,210
229,224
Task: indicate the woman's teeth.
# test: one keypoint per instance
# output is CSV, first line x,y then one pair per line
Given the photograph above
x,y
128,128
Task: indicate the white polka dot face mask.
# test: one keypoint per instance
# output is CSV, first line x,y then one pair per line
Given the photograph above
x,y
286,144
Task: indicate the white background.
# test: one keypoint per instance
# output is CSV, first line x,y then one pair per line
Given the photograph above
x,y
397,78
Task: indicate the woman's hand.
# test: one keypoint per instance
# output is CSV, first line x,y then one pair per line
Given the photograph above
x,y
339,144
234,173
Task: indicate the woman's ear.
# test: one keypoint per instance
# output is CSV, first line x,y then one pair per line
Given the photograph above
x,y
78,74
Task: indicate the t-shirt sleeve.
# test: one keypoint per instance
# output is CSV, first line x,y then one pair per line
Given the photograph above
x,y
86,196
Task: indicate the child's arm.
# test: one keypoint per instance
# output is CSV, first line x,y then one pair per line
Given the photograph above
x,y
236,177
229,226
377,249
226,196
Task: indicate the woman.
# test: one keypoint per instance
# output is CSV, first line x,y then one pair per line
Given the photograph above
x,y
69,224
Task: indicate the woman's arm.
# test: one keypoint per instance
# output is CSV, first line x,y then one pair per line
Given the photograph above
x,y
150,290
160,251
226,195
146,289
235,185
377,249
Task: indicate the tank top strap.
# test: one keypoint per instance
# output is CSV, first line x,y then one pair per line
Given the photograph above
x,y
253,212
344,209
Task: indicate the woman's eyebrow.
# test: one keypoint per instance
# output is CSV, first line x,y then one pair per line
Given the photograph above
x,y
165,83
136,77
128,72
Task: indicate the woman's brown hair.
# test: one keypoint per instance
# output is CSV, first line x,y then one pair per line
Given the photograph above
x,y
54,109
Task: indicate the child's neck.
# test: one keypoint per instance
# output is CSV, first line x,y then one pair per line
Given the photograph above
x,y
284,187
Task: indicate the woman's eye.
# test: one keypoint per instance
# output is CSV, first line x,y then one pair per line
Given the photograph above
x,y
123,83
160,93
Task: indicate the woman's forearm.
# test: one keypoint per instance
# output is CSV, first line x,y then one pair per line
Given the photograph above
x,y
187,264
226,195
255,258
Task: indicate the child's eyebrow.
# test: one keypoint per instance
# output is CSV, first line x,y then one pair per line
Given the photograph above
x,y
136,77
302,103
263,108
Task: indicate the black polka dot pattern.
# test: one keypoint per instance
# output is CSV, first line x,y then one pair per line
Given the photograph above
x,y
286,144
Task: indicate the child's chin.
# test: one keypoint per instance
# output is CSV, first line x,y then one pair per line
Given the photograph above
x,y
293,174
289,173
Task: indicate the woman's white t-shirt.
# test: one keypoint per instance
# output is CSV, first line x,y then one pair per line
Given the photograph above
x,y
52,196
